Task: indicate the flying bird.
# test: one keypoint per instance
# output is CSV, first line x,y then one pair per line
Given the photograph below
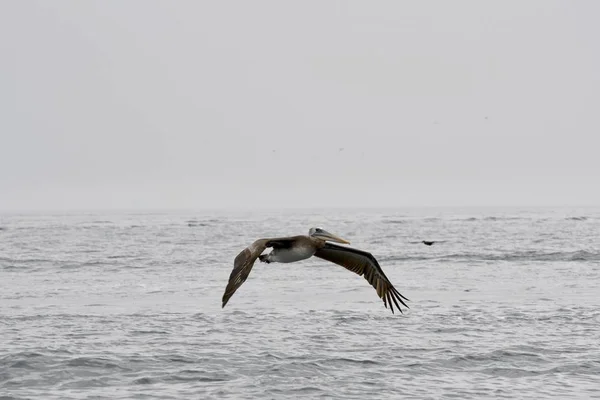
x,y
317,243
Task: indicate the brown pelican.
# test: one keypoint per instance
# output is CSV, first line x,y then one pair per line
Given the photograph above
x,y
317,243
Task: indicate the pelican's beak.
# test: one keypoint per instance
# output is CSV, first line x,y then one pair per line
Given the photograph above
x,y
332,238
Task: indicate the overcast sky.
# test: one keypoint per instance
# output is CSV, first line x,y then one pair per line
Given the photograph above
x,y
201,104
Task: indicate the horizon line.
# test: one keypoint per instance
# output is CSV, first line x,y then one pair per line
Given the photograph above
x,y
274,209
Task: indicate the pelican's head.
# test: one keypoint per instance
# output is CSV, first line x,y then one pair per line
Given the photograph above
x,y
324,235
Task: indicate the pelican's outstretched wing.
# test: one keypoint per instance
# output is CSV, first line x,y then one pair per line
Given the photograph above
x,y
243,263
363,263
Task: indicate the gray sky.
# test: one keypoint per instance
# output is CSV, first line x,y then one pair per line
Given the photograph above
x,y
194,104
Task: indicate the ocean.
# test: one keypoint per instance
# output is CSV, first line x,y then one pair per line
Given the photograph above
x,y
127,305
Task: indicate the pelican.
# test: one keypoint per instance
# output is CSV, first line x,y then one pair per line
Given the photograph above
x,y
317,243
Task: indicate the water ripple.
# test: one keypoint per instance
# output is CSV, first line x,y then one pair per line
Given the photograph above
x,y
128,306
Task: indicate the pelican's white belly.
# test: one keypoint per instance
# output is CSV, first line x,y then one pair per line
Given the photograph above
x,y
291,255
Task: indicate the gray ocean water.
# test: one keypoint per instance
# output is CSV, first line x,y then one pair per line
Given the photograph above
x,y
128,305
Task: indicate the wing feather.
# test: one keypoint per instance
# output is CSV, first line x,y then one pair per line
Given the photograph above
x,y
363,263
244,261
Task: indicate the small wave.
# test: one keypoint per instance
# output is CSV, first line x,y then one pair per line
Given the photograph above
x,y
24,260
90,224
182,359
21,364
307,390
188,375
394,221
23,354
471,360
194,222
510,372
490,218
94,362
143,381
343,319
579,255
346,361
118,256
21,360
576,218
69,266
406,258
587,368
141,332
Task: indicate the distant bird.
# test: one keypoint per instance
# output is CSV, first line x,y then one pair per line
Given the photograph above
x,y
427,242
317,243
